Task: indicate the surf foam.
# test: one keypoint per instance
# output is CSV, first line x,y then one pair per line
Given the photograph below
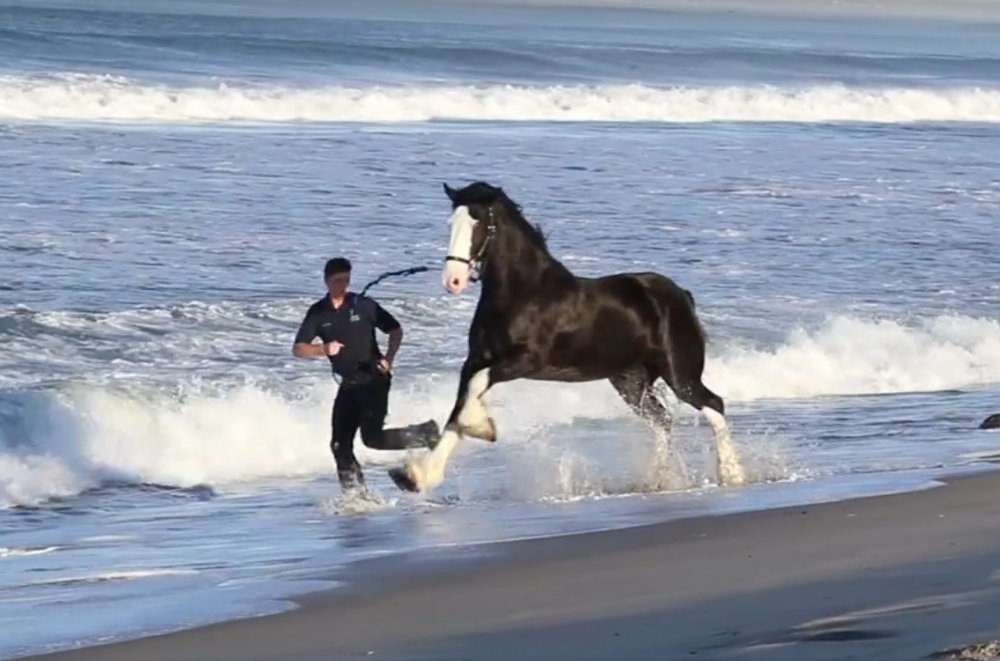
x,y
55,444
61,443
853,356
82,97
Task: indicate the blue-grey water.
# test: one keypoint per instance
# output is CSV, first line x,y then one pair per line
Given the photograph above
x,y
171,184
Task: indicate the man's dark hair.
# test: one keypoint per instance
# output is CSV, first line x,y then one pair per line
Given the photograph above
x,y
335,266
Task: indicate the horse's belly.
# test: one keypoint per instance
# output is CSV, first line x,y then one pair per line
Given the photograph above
x,y
591,366
569,374
606,346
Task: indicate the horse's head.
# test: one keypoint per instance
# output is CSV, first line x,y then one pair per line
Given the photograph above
x,y
475,212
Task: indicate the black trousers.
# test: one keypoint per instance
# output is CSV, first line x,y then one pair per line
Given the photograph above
x,y
362,404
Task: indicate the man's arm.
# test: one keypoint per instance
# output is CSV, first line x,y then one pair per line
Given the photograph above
x,y
387,323
308,350
302,346
395,339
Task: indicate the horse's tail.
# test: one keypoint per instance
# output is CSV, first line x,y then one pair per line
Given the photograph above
x,y
685,340
699,329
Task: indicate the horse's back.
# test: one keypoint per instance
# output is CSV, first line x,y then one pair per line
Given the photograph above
x,y
675,304
662,288
599,327
655,300
590,328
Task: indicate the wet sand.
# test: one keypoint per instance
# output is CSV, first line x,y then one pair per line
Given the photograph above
x,y
902,576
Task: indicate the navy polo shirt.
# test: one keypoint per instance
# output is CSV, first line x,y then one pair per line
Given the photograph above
x,y
353,324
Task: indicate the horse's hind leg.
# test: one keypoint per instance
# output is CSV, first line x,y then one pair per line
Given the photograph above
x,y
636,388
711,406
687,359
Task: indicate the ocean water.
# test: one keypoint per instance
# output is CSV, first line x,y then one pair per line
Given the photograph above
x,y
171,184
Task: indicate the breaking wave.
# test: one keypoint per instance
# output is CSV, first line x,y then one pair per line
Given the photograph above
x,y
79,97
852,356
61,442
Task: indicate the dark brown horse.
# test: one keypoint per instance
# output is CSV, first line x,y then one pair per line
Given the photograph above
x,y
536,320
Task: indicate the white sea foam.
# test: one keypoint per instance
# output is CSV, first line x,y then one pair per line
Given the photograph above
x,y
24,552
123,575
852,356
79,97
56,444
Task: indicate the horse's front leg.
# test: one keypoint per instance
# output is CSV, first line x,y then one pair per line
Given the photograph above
x,y
468,416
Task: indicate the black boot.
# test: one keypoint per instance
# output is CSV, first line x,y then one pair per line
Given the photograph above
x,y
423,435
426,434
351,480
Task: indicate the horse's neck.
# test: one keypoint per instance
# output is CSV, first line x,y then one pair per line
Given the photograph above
x,y
518,264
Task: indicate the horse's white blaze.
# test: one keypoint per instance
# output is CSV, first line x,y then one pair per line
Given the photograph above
x,y
456,274
730,470
473,417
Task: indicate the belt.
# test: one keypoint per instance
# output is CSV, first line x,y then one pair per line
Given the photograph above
x,y
363,373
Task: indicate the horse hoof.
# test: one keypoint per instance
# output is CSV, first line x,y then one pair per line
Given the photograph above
x,y
734,481
486,430
732,478
731,474
401,477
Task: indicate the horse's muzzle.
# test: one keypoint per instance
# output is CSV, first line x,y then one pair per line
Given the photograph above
x,y
456,276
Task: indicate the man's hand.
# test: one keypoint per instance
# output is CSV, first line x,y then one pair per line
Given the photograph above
x,y
332,348
385,366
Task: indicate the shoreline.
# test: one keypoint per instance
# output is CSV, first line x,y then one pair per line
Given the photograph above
x,y
968,12
923,550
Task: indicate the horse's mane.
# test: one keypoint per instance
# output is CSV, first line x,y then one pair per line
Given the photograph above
x,y
513,209
483,193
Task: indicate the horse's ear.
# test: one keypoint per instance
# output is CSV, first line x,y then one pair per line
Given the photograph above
x,y
449,191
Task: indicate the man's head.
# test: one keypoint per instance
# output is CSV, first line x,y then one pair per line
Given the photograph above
x,y
337,275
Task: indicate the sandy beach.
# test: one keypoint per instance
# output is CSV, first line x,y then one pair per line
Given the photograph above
x,y
903,576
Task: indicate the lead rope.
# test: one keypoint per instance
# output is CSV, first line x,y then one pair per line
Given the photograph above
x,y
380,278
390,274
475,265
